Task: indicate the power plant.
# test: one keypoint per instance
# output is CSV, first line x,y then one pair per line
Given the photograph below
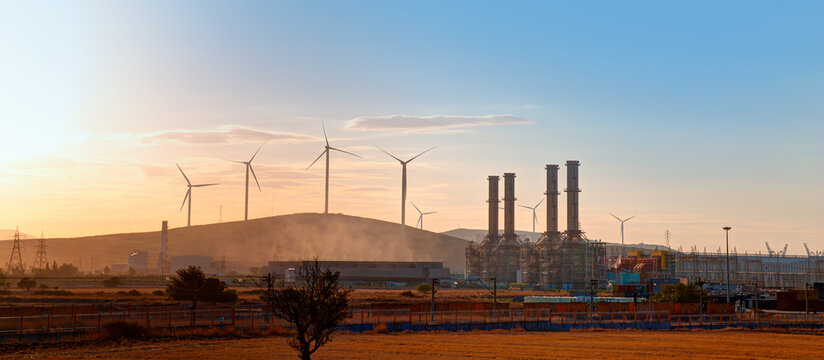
x,y
563,260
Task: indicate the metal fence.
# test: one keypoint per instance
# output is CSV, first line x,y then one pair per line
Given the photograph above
x,y
39,327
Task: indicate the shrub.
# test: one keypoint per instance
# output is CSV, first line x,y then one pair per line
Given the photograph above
x,y
120,329
134,293
53,292
409,294
424,288
112,282
26,283
158,293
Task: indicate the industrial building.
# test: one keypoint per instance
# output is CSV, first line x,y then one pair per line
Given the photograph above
x,y
370,272
139,261
184,261
557,259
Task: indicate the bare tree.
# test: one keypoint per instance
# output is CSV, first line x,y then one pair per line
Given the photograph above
x,y
316,305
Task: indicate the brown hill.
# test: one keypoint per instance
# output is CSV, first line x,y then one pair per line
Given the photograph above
x,y
253,242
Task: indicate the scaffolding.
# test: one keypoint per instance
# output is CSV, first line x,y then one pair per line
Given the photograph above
x,y
774,271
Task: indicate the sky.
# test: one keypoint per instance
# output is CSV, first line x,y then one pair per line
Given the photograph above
x,y
689,115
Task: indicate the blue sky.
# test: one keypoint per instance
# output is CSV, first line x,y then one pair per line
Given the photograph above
x,y
690,115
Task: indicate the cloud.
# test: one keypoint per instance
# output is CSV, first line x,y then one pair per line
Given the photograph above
x,y
431,122
226,134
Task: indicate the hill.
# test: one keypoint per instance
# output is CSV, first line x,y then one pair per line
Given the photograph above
x,y
253,242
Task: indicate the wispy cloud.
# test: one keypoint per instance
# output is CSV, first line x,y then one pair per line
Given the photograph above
x,y
226,134
431,122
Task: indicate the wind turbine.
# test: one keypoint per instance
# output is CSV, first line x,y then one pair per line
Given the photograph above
x,y
420,217
622,225
534,216
249,168
326,151
403,186
189,195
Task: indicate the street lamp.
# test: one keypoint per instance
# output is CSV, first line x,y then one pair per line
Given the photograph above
x,y
727,230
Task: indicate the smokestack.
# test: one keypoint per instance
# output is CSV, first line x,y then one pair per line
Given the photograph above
x,y
552,199
509,205
493,207
572,191
163,258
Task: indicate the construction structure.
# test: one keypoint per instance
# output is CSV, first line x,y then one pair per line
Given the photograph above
x,y
774,270
15,265
557,259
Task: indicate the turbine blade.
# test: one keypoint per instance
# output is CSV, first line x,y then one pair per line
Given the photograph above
x,y
258,150
344,151
424,152
184,198
253,174
431,212
525,207
416,208
184,174
316,160
630,217
387,153
202,185
235,161
419,220
539,203
616,218
324,131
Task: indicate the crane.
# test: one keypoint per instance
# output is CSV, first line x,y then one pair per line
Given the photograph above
x,y
769,250
808,250
784,252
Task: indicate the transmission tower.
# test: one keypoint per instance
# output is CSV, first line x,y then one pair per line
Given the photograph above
x,y
667,235
16,261
40,260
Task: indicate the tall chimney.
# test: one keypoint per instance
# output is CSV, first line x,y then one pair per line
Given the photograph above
x,y
552,199
572,191
493,207
163,259
509,205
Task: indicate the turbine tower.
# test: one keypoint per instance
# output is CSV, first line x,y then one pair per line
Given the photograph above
x,y
622,226
249,168
420,217
534,216
326,152
403,186
189,195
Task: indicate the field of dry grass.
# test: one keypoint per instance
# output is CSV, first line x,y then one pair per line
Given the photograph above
x,y
729,344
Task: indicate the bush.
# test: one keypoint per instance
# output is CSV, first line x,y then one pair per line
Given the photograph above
x,y
53,292
409,294
118,330
112,282
158,293
424,288
26,283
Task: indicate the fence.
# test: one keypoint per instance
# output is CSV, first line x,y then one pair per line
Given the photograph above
x,y
49,325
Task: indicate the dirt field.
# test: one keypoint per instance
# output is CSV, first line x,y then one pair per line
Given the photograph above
x,y
476,345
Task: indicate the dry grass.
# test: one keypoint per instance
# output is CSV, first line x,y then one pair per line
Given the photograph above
x,y
729,344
